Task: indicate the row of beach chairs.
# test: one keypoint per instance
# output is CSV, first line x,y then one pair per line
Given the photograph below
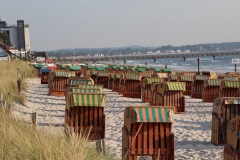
x,y
165,90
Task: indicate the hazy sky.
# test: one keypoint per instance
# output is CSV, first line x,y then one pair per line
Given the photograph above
x,y
56,24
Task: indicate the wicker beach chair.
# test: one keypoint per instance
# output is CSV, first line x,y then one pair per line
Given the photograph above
x,y
171,94
58,82
188,79
102,78
229,88
147,132
224,109
146,87
211,89
84,114
132,86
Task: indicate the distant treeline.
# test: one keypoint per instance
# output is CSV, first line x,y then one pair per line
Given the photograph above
x,y
228,46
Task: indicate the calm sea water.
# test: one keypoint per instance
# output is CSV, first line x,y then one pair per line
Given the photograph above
x,y
220,64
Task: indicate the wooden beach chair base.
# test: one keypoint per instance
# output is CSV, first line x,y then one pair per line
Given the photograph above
x,y
88,122
44,79
158,143
216,134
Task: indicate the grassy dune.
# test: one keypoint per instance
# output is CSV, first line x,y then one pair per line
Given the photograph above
x,y
18,140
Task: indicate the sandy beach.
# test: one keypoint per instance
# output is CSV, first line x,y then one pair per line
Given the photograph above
x,y
192,130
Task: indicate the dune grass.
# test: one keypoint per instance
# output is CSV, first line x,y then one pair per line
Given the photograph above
x,y
9,74
18,140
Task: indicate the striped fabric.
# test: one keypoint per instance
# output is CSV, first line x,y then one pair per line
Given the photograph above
x,y
74,68
212,82
152,114
172,86
63,74
100,87
74,82
174,77
84,90
162,75
201,77
151,80
100,68
186,78
146,74
231,78
231,100
189,74
133,77
90,67
103,74
232,84
88,99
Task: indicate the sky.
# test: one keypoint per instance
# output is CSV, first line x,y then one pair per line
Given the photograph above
x,y
57,24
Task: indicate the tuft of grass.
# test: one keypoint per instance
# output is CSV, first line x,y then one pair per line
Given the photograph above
x,y
9,76
19,140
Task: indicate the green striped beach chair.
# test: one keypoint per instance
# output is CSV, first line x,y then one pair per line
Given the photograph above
x,y
171,94
58,82
229,88
146,87
84,114
147,131
211,90
188,79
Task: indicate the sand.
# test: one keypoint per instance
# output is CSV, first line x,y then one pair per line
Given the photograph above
x,y
192,130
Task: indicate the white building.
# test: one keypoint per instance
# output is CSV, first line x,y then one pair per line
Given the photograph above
x,y
18,34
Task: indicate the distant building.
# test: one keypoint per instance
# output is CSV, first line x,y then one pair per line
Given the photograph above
x,y
18,34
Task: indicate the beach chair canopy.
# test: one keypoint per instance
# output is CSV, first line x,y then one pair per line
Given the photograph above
x,y
80,80
133,77
83,90
212,82
63,74
160,75
171,86
151,80
45,70
93,86
173,77
85,99
201,77
103,74
185,78
74,68
147,114
166,70
117,76
232,78
229,84
146,74
233,132
100,68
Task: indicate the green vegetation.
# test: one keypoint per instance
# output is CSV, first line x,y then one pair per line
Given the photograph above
x,y
5,38
9,75
18,140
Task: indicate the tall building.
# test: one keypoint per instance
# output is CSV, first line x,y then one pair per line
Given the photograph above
x,y
18,34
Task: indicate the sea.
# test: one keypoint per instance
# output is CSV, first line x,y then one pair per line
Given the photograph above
x,y
221,64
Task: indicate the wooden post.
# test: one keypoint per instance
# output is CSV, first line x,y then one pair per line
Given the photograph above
x,y
19,85
9,109
1,96
198,64
18,71
34,119
235,67
3,104
9,96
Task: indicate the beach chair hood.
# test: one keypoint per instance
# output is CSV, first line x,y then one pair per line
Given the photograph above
x,y
212,82
85,99
151,80
229,84
147,114
171,86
